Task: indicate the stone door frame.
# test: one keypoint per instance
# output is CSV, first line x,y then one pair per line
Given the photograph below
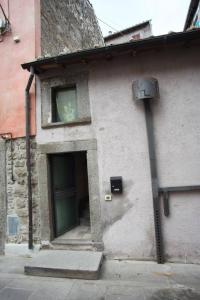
x,y
90,146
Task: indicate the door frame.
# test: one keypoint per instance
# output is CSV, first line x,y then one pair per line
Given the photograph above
x,y
52,203
90,146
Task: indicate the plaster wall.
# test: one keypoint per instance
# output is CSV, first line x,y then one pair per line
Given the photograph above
x,y
12,78
144,33
43,27
118,124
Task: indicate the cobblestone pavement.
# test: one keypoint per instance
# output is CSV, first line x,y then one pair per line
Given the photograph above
x,y
119,280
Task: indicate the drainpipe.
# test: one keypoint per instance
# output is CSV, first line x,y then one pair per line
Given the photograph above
x,y
28,158
144,91
154,182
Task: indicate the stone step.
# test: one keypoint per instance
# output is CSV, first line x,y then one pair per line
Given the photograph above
x,y
75,244
69,264
72,245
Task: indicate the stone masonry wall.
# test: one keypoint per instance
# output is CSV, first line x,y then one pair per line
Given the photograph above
x,y
17,200
68,26
2,195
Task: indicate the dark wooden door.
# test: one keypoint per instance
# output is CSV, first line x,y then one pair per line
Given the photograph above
x,y
64,193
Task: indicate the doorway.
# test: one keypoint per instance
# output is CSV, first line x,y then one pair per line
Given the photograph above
x,y
69,207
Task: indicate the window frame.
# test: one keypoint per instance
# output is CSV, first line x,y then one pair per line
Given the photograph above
x,y
51,83
54,110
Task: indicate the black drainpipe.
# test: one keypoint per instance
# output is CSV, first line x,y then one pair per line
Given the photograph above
x,y
154,182
144,91
28,158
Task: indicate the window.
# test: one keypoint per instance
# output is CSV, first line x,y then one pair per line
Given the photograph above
x,y
65,100
64,105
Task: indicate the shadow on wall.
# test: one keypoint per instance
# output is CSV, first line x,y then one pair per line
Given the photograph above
x,y
119,207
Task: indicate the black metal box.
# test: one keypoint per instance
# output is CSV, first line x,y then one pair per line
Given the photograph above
x,y
145,88
116,185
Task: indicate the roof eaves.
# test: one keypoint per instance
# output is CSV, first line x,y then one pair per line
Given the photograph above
x,y
84,55
127,30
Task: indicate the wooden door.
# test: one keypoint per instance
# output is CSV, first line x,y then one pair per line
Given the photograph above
x,y
64,193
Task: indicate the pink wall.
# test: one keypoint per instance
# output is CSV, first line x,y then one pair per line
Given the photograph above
x,y
12,78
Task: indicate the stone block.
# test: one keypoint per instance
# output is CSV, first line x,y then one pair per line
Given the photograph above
x,y
21,203
22,212
69,264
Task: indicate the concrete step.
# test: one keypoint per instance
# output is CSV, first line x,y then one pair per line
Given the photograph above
x,y
73,247
75,244
69,264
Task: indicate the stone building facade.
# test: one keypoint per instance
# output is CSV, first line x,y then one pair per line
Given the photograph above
x,y
68,26
114,142
48,28
17,199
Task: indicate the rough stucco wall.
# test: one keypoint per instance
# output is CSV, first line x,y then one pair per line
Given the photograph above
x,y
17,200
122,151
120,128
118,124
67,26
144,33
12,78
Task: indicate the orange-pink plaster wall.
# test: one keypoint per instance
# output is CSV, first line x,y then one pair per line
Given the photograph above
x,y
23,15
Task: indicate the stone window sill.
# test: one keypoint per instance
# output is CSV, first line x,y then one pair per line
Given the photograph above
x,y
79,122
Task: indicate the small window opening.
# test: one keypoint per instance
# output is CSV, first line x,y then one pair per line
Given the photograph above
x,y
64,104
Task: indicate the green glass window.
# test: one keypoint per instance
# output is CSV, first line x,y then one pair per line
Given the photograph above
x,y
64,106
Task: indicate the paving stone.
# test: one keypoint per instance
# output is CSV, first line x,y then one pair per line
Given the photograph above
x,y
49,294
12,265
87,291
138,272
124,297
143,282
14,294
4,282
125,292
175,294
35,283
189,279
